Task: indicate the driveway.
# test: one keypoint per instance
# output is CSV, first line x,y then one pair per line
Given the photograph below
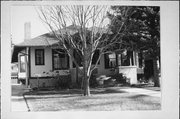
x,y
18,102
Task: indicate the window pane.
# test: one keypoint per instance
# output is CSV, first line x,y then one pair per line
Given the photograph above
x,y
39,56
56,61
60,60
22,64
127,58
124,59
110,60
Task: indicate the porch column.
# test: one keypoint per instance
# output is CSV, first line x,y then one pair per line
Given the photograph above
x,y
130,61
137,59
119,59
27,66
134,58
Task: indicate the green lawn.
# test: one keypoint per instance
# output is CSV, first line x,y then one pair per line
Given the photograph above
x,y
100,100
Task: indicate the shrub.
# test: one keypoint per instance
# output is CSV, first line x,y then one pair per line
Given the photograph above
x,y
63,82
93,83
120,78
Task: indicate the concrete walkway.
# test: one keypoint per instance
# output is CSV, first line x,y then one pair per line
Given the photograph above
x,y
142,91
18,102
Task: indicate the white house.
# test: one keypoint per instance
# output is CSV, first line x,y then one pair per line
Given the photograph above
x,y
40,59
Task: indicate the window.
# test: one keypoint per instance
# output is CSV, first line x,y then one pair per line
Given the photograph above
x,y
60,59
95,57
80,61
39,57
110,60
127,58
22,64
78,58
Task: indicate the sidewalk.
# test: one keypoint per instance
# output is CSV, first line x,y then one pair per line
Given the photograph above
x,y
18,102
143,91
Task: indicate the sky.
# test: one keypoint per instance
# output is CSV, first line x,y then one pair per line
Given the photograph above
x,y
22,14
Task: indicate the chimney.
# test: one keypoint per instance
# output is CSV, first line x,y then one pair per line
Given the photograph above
x,y
27,30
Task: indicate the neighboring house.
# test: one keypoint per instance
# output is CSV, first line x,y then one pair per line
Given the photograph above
x,y
40,59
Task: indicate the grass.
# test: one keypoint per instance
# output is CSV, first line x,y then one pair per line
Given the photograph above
x,y
107,99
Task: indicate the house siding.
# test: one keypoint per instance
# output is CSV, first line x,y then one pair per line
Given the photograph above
x,y
101,68
37,70
46,69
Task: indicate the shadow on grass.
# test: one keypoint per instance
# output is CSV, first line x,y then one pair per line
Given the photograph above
x,y
107,91
54,92
75,91
97,102
51,97
102,103
70,94
138,96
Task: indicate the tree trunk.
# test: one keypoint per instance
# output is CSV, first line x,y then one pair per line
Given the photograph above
x,y
86,87
77,73
86,75
156,74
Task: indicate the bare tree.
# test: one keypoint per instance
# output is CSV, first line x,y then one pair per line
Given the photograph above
x,y
90,33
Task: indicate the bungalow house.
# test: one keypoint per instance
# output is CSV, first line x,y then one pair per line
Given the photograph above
x,y
40,59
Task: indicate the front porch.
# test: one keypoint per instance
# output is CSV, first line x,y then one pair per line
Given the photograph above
x,y
71,79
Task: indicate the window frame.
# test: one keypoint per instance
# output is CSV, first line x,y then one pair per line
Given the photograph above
x,y
43,61
53,52
106,60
